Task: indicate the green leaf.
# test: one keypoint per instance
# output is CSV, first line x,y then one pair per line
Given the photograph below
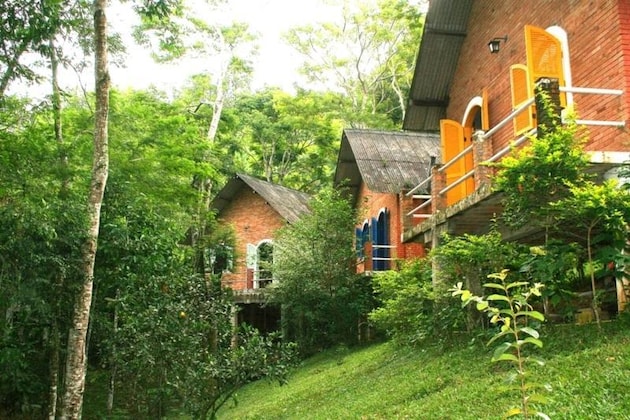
x,y
530,331
532,314
497,336
542,415
533,341
505,356
494,286
537,360
516,284
538,398
501,349
499,297
482,305
513,412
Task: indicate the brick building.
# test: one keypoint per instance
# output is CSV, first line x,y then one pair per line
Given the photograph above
x,y
477,68
376,167
255,209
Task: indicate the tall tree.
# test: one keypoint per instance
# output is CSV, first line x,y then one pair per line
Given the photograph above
x,y
368,55
76,362
290,139
321,296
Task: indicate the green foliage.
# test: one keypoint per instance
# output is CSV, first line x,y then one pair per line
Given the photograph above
x,y
557,266
510,308
472,258
539,173
40,244
291,140
411,310
602,212
369,56
321,296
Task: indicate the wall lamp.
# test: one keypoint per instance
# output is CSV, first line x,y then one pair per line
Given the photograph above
x,y
495,43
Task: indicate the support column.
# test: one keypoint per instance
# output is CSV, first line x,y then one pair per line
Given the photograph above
x,y
547,101
438,201
482,151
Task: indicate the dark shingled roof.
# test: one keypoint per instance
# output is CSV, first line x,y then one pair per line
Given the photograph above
x,y
388,162
290,204
442,38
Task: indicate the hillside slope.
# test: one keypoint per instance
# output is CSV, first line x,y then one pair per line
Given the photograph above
x,y
588,371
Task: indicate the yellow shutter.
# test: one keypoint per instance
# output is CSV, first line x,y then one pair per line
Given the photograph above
x,y
452,142
544,57
521,91
485,116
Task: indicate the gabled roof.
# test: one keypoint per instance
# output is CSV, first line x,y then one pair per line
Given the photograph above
x,y
388,162
290,204
444,32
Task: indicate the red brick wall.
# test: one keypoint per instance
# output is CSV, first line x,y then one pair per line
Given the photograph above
x,y
370,203
624,25
253,220
598,38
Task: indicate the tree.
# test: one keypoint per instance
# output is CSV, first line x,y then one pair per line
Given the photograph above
x,y
76,360
322,298
369,56
289,139
539,173
603,212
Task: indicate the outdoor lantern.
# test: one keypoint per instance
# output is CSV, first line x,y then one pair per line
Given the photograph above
x,y
495,43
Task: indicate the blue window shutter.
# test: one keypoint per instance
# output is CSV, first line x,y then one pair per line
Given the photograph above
x,y
386,239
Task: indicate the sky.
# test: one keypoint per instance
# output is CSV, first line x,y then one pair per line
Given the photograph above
x,y
276,63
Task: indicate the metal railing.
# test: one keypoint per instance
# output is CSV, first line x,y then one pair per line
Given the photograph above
x,y
508,119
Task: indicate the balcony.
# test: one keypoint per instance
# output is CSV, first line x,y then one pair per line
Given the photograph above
x,y
474,212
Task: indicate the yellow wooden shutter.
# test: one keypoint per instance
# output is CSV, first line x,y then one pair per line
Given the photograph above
x,y
544,57
521,91
452,142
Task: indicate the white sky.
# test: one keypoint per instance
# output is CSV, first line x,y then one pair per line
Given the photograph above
x,y
276,63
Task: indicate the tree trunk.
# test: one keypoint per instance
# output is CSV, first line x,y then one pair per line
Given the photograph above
x,y
76,362
55,341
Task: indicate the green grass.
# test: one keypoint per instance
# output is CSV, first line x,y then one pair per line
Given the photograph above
x,y
588,371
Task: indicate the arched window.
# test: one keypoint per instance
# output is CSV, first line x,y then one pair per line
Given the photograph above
x,y
259,263
362,236
263,274
381,253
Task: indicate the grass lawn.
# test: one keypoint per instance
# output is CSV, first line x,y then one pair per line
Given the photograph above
x,y
589,373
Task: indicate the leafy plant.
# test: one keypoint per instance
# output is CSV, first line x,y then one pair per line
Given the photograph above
x,y
511,309
539,173
472,258
603,212
411,310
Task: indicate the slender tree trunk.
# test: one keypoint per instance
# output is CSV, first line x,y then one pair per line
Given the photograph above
x,y
76,362
55,342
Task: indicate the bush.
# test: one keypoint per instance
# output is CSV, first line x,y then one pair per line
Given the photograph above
x,y
412,309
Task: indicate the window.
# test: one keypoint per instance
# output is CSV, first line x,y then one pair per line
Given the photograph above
x,y
381,252
362,236
259,262
220,259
